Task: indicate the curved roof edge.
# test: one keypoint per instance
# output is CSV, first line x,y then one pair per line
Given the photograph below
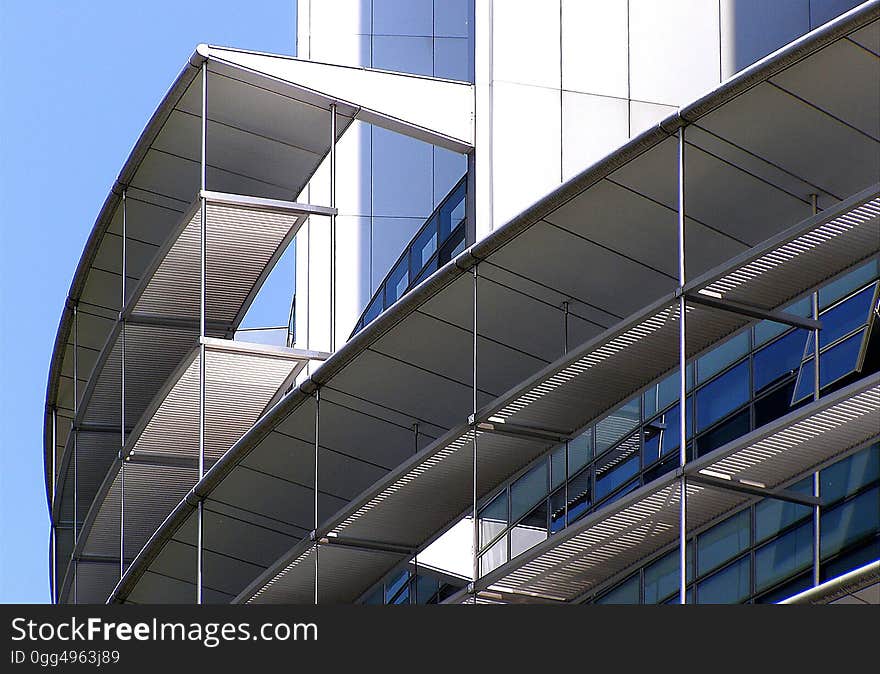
x,y
726,91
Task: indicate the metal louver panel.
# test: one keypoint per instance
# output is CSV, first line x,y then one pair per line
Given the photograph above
x,y
163,449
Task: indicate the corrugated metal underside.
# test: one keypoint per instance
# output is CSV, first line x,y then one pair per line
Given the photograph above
x,y
617,538
163,463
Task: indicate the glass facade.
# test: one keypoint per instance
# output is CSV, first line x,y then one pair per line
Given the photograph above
x,y
763,552
440,239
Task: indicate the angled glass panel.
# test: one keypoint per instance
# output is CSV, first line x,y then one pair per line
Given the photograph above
x,y
779,359
494,556
423,247
848,282
374,309
834,363
850,522
616,425
530,531
848,476
580,451
397,283
452,211
843,318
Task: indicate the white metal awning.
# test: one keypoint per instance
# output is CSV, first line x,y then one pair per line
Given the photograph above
x,y
607,241
162,452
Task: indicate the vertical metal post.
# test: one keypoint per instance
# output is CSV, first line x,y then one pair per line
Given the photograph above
x,y
54,576
333,227
122,394
682,365
476,532
73,429
816,386
564,351
415,428
317,445
202,319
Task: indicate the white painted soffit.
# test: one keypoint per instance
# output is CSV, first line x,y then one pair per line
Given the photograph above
x,y
438,111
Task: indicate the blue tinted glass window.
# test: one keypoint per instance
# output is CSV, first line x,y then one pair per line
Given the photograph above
x,y
723,542
729,586
374,309
528,490
844,318
661,577
668,390
838,361
423,247
850,521
848,476
772,516
578,496
393,587
784,556
774,404
625,593
721,356
452,211
779,359
614,477
767,330
557,510
396,284
429,269
848,282
725,394
493,518
730,430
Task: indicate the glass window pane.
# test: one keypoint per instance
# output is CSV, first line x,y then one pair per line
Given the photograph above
x,y
779,359
723,542
661,577
723,395
452,211
610,478
616,425
494,556
493,518
578,496
625,593
423,247
784,557
528,490
374,309
557,511
772,515
393,587
849,522
729,586
721,356
580,451
849,475
426,589
670,437
844,318
774,405
557,467
668,391
397,282
728,431
531,530
847,283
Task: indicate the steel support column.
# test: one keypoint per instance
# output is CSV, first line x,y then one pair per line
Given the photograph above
x,y
317,446
333,227
75,448
817,513
122,394
682,365
476,531
54,545
202,318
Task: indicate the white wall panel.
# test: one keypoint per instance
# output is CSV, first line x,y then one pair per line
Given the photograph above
x,y
352,271
751,29
646,115
594,47
592,126
674,53
526,42
339,17
526,149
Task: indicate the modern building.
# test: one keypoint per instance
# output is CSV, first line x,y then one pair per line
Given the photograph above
x,y
527,236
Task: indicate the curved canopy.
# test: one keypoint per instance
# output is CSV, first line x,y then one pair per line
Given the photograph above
x,y
802,122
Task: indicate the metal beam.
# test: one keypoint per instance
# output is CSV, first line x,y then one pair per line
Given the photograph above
x,y
753,490
754,312
255,348
160,321
162,459
518,431
264,204
510,597
363,544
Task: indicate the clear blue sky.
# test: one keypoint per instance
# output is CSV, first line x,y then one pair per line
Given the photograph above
x,y
78,81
